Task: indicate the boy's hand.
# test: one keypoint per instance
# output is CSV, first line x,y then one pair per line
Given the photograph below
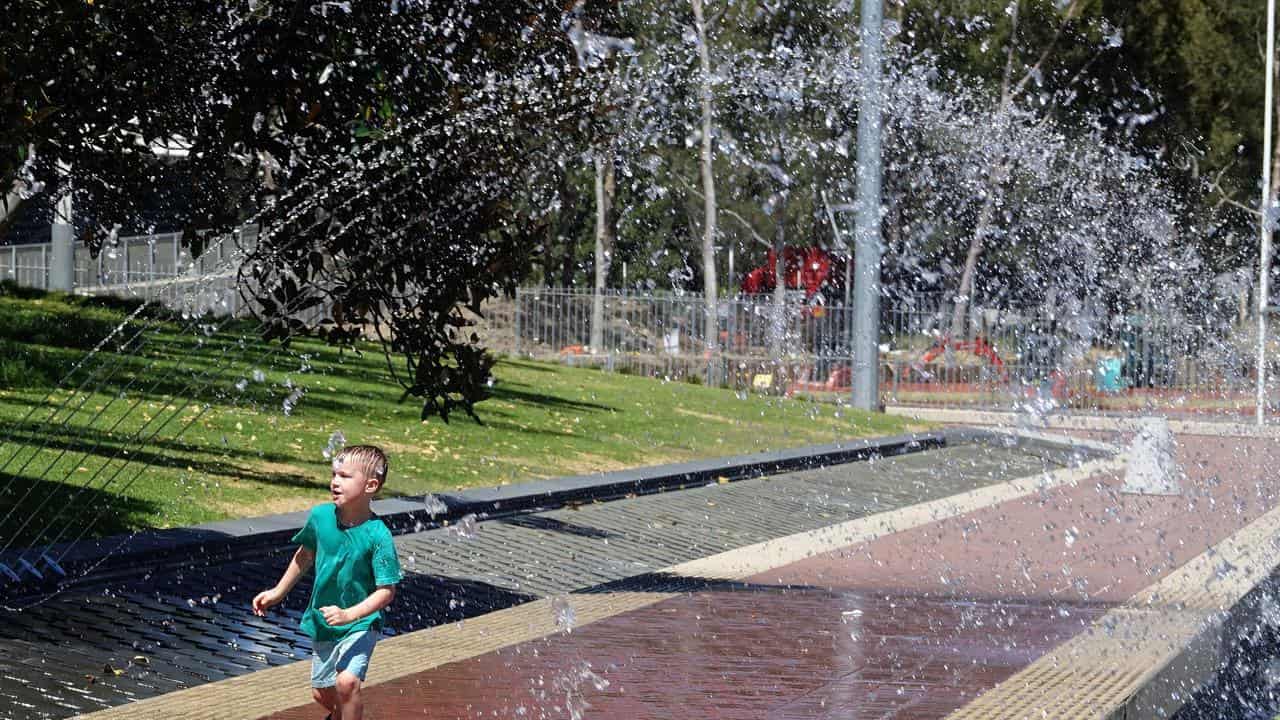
x,y
334,615
266,599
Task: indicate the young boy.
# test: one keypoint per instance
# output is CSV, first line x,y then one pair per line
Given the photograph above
x,y
356,574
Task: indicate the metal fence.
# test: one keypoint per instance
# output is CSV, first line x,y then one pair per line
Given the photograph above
x,y
1000,357
1005,357
152,268
667,334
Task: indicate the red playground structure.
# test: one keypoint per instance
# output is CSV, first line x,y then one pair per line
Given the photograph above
x,y
978,346
810,268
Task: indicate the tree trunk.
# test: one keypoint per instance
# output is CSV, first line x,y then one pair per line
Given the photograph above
x,y
12,201
710,289
605,190
986,216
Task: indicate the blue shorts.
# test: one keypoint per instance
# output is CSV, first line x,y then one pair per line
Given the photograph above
x,y
351,653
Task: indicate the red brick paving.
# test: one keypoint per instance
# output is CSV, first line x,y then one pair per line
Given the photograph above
x,y
947,610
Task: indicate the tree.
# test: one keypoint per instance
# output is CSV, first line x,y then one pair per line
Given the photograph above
x,y
606,233
399,158
709,288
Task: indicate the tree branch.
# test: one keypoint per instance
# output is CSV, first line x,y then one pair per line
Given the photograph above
x,y
1225,198
741,220
1005,96
1071,11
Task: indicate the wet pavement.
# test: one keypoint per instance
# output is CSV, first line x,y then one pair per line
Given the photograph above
x,y
753,651
914,624
149,635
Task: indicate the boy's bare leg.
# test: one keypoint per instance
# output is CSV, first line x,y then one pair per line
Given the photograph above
x,y
349,698
328,697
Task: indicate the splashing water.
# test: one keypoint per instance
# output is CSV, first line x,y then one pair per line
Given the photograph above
x,y
291,402
571,684
434,506
467,527
1152,469
337,441
564,613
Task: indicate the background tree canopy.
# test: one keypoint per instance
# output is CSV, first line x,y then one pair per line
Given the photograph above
x,y
408,160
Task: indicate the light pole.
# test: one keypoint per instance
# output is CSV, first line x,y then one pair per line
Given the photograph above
x,y
1264,259
866,284
62,264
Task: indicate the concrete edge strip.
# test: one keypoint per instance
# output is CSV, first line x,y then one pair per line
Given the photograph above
x,y
1030,440
1083,422
1146,657
1052,439
272,690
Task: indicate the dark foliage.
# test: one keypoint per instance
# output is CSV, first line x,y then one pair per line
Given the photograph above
x,y
394,153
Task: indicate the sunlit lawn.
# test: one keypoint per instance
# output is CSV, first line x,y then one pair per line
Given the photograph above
x,y
109,470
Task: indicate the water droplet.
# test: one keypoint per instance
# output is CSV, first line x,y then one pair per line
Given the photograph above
x,y
466,527
337,441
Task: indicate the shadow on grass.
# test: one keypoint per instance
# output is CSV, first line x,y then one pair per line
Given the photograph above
x,y
526,365
95,449
504,392
44,509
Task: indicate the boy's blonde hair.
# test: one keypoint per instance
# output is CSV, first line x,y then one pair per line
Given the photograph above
x,y
370,458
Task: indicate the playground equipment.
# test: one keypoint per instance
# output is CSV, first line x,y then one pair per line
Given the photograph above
x,y
810,269
978,346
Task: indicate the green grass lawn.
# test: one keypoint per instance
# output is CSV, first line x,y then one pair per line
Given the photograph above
x,y
244,456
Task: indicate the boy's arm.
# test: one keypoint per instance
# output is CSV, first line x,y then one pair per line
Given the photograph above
x,y
302,561
377,600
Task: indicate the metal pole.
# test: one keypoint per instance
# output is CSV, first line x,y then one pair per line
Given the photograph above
x,y
1264,260
866,290
516,321
62,262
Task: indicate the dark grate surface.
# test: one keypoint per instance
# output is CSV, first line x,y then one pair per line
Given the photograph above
x,y
87,650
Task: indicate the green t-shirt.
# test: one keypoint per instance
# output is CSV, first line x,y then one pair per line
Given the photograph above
x,y
350,564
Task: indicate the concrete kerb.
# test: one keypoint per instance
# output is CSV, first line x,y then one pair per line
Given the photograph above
x,y
124,555
1080,421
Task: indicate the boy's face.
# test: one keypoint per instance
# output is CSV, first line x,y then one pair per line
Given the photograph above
x,y
350,484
